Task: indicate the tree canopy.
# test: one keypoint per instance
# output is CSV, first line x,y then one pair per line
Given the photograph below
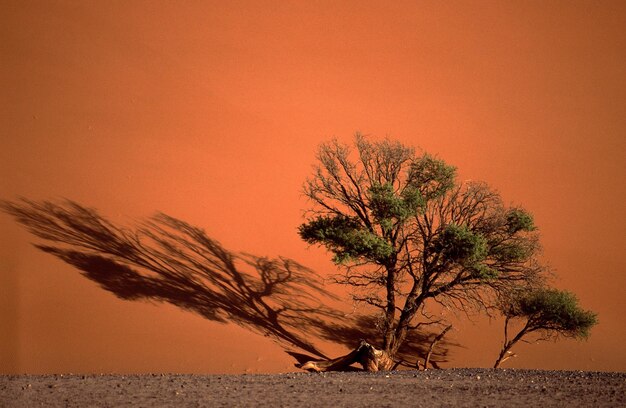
x,y
552,311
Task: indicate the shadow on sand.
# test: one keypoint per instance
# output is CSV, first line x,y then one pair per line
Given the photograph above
x,y
167,260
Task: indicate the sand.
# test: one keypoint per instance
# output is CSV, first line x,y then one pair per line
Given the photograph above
x,y
432,388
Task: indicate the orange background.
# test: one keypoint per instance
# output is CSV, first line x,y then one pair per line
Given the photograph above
x,y
211,112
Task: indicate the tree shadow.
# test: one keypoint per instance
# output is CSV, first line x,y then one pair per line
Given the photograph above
x,y
168,260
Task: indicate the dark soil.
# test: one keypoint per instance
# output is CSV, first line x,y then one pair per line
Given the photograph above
x,y
432,388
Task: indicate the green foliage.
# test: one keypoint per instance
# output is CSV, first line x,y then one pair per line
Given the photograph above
x,y
389,208
346,238
552,310
519,220
459,244
484,272
431,177
413,200
511,252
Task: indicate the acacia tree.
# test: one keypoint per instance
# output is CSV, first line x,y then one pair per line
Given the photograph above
x,y
549,312
407,232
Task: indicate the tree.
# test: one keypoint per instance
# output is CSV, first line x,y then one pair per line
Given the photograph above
x,y
551,312
406,233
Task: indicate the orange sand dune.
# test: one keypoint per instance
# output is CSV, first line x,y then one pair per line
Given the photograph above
x,y
211,112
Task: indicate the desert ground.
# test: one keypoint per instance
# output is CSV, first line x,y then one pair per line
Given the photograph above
x,y
431,388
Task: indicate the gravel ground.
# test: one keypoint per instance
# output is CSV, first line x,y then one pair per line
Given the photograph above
x,y
432,388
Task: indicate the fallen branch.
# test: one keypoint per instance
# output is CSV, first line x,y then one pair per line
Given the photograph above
x,y
365,354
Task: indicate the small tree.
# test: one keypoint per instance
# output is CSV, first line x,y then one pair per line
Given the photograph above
x,y
406,232
550,312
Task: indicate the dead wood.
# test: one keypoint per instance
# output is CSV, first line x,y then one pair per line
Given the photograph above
x,y
368,356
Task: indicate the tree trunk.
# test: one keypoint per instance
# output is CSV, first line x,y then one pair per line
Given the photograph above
x,y
390,312
504,355
365,354
509,344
